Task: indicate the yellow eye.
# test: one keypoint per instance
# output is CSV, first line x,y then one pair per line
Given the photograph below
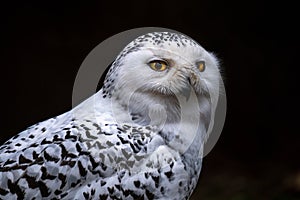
x,y
158,65
201,66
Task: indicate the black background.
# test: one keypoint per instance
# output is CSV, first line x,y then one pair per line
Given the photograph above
x,y
43,46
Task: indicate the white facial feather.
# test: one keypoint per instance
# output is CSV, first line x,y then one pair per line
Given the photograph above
x,y
136,82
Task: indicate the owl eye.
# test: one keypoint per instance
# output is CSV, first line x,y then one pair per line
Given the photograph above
x,y
201,66
158,65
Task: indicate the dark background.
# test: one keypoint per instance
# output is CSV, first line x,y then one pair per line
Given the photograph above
x,y
256,157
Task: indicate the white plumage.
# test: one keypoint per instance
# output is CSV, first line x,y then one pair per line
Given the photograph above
x,y
140,137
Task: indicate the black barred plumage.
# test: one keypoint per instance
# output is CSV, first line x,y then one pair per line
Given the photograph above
x,y
127,141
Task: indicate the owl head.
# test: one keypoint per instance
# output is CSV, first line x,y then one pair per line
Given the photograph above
x,y
158,67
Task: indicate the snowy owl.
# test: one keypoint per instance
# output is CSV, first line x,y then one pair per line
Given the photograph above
x,y
140,136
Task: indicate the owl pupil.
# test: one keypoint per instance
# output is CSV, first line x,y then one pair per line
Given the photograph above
x,y
158,65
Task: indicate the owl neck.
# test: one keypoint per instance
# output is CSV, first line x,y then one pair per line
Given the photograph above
x,y
148,109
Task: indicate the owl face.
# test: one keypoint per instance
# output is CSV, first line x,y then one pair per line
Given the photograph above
x,y
168,69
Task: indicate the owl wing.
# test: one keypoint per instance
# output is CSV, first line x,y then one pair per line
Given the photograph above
x,y
42,161
66,158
